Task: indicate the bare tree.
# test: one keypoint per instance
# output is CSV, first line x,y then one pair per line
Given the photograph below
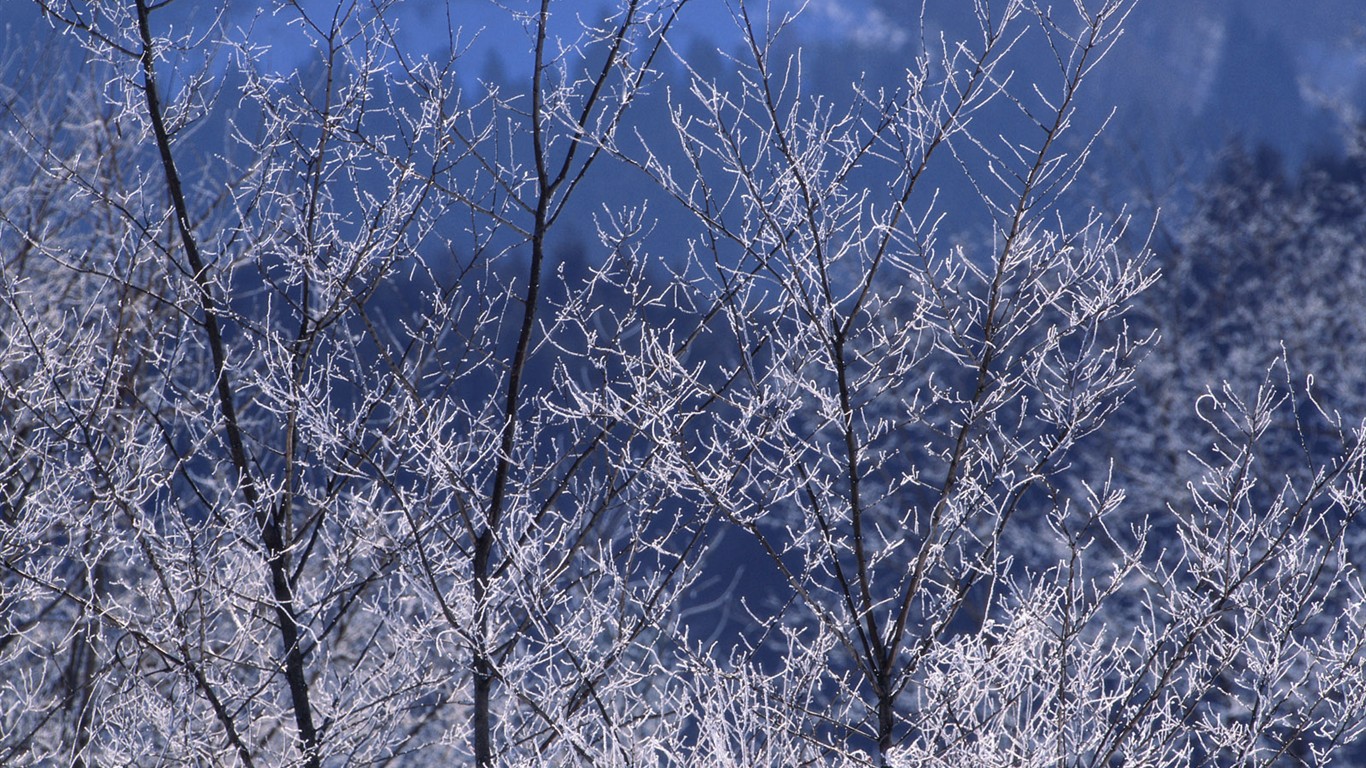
x,y
903,429
316,509
316,453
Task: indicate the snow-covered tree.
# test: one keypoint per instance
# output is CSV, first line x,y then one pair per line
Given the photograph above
x,y
280,486
319,449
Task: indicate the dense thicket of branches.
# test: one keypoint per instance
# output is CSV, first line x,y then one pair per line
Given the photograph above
x,y
318,447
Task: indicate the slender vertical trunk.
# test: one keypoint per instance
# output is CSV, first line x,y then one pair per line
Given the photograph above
x,y
81,672
886,716
483,665
483,547
270,522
